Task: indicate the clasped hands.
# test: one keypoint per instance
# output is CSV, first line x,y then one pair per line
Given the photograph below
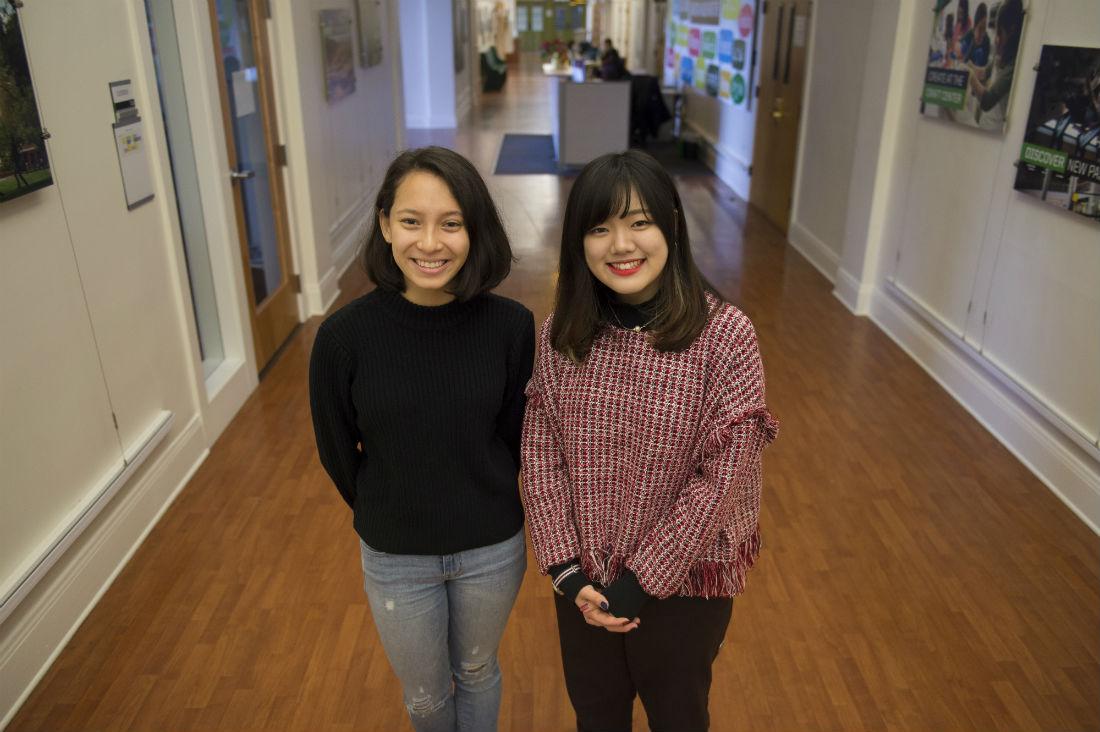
x,y
595,609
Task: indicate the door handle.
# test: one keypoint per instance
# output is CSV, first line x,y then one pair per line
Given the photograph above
x,y
242,174
777,114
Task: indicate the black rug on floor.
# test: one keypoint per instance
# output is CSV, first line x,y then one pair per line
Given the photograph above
x,y
534,155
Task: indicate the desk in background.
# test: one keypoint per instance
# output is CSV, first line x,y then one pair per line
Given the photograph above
x,y
589,119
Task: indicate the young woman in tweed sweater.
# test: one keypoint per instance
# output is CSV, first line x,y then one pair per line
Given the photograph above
x,y
641,453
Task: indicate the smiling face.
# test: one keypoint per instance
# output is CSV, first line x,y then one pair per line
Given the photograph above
x,y
427,234
627,253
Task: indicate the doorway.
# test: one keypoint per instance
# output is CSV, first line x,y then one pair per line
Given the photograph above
x,y
243,60
782,73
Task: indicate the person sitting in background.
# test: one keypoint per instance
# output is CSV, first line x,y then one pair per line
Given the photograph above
x,y
609,50
612,67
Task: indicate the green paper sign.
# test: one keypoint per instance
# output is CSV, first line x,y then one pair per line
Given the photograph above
x,y
737,89
1044,157
710,44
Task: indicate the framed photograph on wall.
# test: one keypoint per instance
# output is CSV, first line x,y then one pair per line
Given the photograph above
x,y
972,61
337,54
1060,158
369,17
24,164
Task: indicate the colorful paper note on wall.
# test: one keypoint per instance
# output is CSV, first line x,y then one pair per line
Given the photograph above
x,y
713,79
725,46
724,85
687,70
740,54
737,88
710,44
745,21
694,42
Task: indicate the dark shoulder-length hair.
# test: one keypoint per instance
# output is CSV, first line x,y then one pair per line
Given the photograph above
x,y
603,190
490,258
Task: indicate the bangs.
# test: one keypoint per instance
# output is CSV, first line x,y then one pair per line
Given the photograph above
x,y
605,194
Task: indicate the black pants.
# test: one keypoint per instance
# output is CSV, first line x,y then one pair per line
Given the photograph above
x,y
666,661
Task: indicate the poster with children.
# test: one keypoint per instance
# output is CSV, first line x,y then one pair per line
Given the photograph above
x,y
972,61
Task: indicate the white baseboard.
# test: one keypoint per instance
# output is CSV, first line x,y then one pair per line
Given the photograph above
x,y
1070,473
731,169
38,630
320,296
347,233
848,290
816,252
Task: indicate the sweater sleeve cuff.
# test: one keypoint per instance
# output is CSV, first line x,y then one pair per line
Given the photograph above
x,y
569,579
625,596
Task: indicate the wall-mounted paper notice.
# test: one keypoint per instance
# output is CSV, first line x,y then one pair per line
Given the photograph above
x,y
244,96
134,162
799,39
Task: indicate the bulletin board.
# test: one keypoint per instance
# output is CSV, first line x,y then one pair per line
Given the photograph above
x,y
711,48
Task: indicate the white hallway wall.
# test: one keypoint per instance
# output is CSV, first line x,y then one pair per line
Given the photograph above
x,y
337,153
436,97
96,319
94,299
995,293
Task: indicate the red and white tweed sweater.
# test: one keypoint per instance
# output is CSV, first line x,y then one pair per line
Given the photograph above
x,y
650,460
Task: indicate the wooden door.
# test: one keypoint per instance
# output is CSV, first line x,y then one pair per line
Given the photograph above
x,y
256,163
786,27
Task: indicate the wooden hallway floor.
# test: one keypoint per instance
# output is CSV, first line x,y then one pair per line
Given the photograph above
x,y
915,575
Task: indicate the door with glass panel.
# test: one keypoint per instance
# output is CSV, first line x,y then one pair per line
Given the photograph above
x,y
255,160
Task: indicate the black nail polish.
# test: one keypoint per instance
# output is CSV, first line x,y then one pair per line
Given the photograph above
x,y
603,606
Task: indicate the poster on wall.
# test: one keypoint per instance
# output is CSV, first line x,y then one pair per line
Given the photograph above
x,y
1060,158
972,61
715,56
368,14
338,57
24,165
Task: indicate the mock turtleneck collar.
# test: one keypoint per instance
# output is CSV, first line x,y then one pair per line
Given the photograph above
x,y
425,317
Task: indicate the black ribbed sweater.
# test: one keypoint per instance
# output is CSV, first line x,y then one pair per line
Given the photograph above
x,y
417,413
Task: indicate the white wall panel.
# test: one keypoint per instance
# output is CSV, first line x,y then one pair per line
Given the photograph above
x,y
1042,291
835,69
125,257
57,440
951,183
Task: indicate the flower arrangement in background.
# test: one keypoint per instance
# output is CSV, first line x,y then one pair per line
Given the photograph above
x,y
555,52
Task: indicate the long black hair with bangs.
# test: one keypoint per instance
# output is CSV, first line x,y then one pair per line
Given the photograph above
x,y
602,190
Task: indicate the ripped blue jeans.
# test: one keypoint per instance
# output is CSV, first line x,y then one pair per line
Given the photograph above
x,y
440,619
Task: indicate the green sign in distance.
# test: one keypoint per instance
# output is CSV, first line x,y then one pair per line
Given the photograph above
x,y
737,88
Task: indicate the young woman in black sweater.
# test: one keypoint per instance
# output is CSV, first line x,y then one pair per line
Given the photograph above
x,y
417,390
